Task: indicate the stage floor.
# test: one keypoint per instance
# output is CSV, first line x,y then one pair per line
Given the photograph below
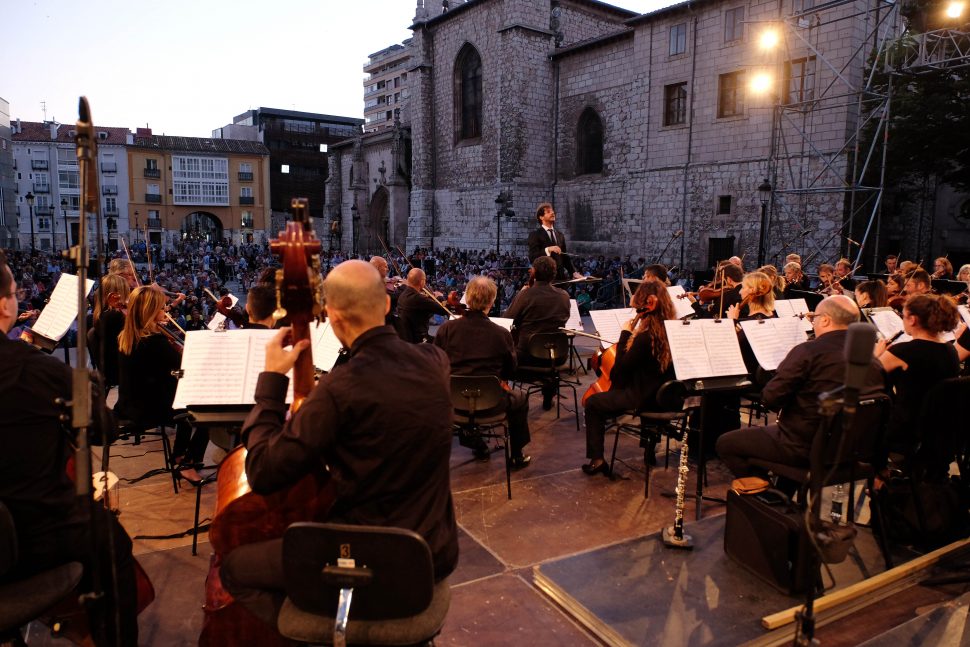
x,y
639,592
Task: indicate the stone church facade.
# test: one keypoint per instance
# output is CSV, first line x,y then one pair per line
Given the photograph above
x,y
636,127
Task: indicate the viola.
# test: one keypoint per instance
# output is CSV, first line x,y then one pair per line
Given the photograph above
x,y
241,516
455,304
604,361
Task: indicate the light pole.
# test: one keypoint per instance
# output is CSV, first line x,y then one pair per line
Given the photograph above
x,y
67,237
355,219
136,223
503,207
764,193
30,204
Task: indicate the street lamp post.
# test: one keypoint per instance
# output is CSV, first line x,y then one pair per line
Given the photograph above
x,y
67,237
764,193
503,207
355,219
136,224
30,203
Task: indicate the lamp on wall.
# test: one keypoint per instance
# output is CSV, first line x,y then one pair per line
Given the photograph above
x,y
30,203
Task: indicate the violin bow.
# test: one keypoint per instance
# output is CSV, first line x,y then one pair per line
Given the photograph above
x,y
138,281
397,268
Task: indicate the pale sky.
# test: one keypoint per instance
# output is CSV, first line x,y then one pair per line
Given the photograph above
x,y
186,67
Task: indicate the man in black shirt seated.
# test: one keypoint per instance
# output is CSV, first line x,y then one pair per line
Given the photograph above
x,y
381,422
811,368
415,308
540,308
53,526
476,346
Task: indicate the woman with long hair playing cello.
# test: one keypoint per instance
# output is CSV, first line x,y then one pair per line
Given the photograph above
x,y
642,364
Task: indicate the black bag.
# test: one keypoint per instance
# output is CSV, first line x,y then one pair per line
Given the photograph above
x,y
765,533
924,513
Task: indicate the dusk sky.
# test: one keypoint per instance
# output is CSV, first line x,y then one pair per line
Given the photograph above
x,y
186,67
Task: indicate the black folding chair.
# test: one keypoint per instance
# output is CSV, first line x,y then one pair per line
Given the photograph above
x,y
387,573
551,351
480,405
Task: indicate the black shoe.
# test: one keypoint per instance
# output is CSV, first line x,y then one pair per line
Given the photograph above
x,y
482,453
546,402
602,468
520,461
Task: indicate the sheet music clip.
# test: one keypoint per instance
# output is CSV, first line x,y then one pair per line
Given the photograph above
x,y
38,340
686,321
761,322
178,374
222,326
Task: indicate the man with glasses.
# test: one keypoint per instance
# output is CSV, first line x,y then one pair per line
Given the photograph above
x,y
809,369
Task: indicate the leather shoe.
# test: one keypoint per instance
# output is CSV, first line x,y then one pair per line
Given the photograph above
x,y
602,468
520,461
481,454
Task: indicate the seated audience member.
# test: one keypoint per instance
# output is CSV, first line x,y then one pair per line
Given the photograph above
x,y
541,308
382,435
871,294
53,526
642,365
914,367
809,369
476,346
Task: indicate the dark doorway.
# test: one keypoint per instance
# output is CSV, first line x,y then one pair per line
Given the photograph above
x,y
719,249
377,223
201,226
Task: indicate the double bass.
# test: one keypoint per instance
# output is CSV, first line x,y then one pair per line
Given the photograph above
x,y
241,516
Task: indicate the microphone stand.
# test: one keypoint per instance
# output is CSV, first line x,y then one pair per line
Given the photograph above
x,y
670,242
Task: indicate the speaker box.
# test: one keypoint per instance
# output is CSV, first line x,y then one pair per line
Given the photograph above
x,y
766,534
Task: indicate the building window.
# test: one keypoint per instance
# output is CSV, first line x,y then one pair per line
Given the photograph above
x,y
284,168
151,164
245,192
200,180
800,79
678,39
724,205
152,189
68,179
730,94
675,104
589,143
245,167
733,24
111,205
801,6
247,219
468,93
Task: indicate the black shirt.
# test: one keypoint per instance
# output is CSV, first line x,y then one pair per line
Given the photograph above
x,y
414,311
476,346
541,308
928,363
146,386
104,334
637,369
381,423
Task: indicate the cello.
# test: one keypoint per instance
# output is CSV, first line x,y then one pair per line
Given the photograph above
x,y
241,516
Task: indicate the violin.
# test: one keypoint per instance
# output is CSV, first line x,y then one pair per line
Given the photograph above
x,y
455,304
602,361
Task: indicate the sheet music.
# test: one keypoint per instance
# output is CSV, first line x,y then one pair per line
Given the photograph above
x,y
704,348
326,346
965,313
61,310
218,317
772,339
609,323
575,322
793,308
502,321
222,367
888,323
681,305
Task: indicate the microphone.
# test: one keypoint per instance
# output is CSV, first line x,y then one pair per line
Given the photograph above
x,y
853,242
859,342
678,233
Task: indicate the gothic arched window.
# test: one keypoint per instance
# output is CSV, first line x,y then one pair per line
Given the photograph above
x,y
468,94
589,143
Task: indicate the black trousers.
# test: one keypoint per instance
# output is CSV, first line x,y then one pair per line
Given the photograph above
x,y
253,575
737,448
599,408
517,406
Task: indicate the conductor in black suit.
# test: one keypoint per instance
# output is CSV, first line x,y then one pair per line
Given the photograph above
x,y
549,241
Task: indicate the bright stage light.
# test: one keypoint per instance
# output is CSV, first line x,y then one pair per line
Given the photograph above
x,y
955,9
769,39
761,82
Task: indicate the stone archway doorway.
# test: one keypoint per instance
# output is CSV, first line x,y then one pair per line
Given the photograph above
x,y
202,226
377,224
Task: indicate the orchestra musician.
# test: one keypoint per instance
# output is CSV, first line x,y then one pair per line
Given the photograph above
x,y
260,305
757,298
731,275
53,526
964,273
108,320
918,283
871,294
777,282
477,346
643,363
809,369
538,309
891,264
795,279
146,386
384,436
827,283
943,269
415,308
124,268
546,240
963,342
843,274
391,287
914,367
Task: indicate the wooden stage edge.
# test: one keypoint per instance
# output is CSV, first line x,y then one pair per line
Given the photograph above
x,y
828,608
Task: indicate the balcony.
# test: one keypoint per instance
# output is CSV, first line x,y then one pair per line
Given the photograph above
x,y
247,223
109,167
155,198
111,211
153,173
154,223
40,187
109,189
245,176
43,211
39,165
247,199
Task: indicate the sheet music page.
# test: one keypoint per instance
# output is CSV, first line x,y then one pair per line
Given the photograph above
x,y
256,362
326,347
218,317
965,313
502,321
609,323
772,339
575,322
888,323
681,305
687,349
61,310
723,348
792,308
213,366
